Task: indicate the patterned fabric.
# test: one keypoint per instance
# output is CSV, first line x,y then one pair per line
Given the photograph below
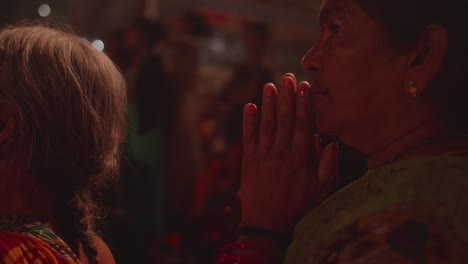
x,y
413,211
24,240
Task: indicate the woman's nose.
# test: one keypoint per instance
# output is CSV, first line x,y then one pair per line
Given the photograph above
x,y
310,61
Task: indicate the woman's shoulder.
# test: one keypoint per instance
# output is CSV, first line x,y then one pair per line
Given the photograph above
x,y
426,194
25,239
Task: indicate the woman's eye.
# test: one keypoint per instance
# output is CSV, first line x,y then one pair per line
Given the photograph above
x,y
335,28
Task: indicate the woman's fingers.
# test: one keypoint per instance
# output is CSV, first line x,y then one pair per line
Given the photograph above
x,y
286,113
268,118
281,146
285,119
250,128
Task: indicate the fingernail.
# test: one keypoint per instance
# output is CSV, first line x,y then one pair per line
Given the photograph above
x,y
303,89
287,82
251,108
291,75
270,90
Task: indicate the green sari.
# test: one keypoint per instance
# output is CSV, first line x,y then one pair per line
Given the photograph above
x,y
412,211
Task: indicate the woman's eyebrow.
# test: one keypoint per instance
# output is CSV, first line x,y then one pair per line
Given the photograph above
x,y
327,12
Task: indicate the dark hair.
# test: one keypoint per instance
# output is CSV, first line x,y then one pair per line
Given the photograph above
x,y
198,26
405,20
68,102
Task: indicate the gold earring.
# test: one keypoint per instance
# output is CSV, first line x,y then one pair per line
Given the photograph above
x,y
413,90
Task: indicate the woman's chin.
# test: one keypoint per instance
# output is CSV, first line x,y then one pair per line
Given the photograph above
x,y
327,126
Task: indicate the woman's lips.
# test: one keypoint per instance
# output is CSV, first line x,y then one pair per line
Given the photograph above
x,y
320,91
320,96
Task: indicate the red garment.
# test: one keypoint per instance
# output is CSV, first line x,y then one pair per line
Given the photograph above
x,y
25,241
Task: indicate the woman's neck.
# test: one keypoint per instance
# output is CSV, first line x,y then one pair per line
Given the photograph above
x,y
428,138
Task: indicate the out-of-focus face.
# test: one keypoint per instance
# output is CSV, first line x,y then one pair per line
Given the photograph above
x,y
357,76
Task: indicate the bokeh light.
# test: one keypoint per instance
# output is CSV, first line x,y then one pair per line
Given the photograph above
x,y
44,10
98,44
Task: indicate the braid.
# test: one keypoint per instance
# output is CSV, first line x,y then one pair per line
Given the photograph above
x,y
78,223
86,213
88,247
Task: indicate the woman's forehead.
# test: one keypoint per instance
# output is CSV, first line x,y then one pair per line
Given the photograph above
x,y
348,10
341,7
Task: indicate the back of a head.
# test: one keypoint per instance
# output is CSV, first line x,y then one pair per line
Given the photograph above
x,y
67,100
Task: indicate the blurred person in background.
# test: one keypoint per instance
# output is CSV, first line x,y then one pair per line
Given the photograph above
x,y
143,67
247,80
182,144
215,206
143,167
245,84
62,123
115,48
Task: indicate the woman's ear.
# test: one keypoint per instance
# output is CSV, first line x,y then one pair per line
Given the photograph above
x,y
429,56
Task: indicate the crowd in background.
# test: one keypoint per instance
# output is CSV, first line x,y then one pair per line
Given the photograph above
x,y
178,193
